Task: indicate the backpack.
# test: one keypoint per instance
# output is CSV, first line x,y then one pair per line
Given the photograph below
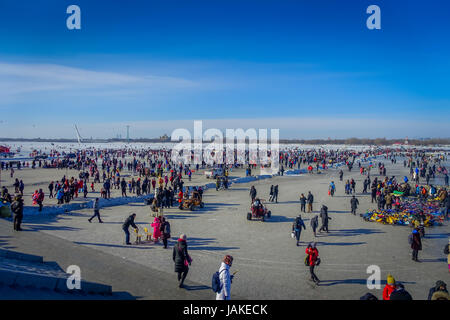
x,y
167,228
297,224
215,282
15,206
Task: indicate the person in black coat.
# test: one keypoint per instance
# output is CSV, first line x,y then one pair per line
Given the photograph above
x,y
324,217
275,194
123,185
252,193
447,206
271,193
310,200
297,227
182,259
416,244
354,204
440,286
314,224
126,225
381,202
17,209
165,231
400,293
374,193
302,203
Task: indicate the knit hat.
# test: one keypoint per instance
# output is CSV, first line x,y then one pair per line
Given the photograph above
x,y
228,259
390,280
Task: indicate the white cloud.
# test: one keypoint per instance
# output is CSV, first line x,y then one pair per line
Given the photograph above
x,y
16,79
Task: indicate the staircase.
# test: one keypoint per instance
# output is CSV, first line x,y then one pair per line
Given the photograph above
x,y
19,270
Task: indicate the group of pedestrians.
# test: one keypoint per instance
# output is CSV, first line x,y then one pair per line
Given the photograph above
x,y
395,290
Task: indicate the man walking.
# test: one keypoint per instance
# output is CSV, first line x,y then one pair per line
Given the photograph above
x,y
354,204
297,227
302,203
275,194
96,211
314,224
271,193
324,217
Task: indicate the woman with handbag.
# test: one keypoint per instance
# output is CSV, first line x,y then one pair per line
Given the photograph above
x,y
182,259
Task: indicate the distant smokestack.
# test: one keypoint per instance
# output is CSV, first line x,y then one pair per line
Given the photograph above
x,y
128,134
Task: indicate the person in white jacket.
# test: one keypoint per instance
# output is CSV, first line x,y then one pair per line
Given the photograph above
x,y
225,279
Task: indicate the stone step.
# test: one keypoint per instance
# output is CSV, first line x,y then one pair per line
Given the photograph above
x,y
37,274
8,254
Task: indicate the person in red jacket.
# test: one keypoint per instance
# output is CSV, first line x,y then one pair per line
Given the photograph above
x,y
180,198
35,197
313,257
40,199
389,288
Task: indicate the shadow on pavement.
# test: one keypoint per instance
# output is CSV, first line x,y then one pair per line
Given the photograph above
x,y
35,228
436,236
320,243
353,232
326,283
280,219
202,244
134,246
195,288
434,260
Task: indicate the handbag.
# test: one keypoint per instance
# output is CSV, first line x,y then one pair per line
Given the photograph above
x,y
187,258
292,234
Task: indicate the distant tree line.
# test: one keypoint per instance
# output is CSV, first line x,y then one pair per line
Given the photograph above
x,y
376,141
348,141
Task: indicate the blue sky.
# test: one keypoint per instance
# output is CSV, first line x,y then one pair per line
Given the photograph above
x,y
310,68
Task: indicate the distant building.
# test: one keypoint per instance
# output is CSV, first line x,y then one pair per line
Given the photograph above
x,y
164,137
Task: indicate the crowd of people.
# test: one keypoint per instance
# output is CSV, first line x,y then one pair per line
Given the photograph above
x,y
142,172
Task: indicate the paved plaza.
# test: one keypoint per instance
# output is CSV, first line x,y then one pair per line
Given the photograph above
x,y
269,262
